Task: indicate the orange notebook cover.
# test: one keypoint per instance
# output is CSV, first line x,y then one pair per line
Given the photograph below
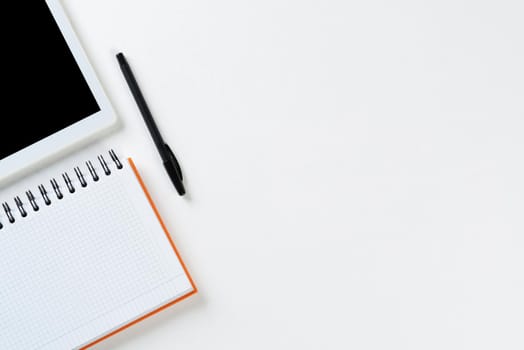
x,y
86,255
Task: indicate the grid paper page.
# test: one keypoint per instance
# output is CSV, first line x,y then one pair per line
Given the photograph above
x,y
85,265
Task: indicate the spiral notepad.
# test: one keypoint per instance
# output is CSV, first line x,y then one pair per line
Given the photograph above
x,y
84,255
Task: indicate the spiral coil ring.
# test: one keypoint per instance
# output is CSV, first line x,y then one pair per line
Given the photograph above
x,y
58,190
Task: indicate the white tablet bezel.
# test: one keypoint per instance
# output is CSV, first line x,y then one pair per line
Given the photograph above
x,y
72,136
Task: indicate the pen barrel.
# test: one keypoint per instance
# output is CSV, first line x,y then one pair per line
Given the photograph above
x,y
149,120
141,102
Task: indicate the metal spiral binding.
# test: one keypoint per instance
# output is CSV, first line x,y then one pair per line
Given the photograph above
x,y
57,188
81,177
20,206
102,161
68,182
92,171
32,200
43,192
8,212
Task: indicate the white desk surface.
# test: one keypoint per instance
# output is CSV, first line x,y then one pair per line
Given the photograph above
x,y
355,168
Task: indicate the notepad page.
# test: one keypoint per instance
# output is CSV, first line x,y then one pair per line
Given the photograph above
x,y
85,265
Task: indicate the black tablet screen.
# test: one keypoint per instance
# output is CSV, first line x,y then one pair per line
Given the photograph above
x,y
44,89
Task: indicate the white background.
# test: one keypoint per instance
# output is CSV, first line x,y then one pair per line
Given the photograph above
x,y
355,168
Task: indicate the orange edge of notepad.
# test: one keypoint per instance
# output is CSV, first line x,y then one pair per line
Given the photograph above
x,y
154,312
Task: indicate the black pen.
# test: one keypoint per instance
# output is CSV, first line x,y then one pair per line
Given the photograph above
x,y
168,158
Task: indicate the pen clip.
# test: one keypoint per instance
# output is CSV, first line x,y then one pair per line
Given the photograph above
x,y
173,170
174,161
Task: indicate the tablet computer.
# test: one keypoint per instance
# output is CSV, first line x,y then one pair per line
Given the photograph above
x,y
52,100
